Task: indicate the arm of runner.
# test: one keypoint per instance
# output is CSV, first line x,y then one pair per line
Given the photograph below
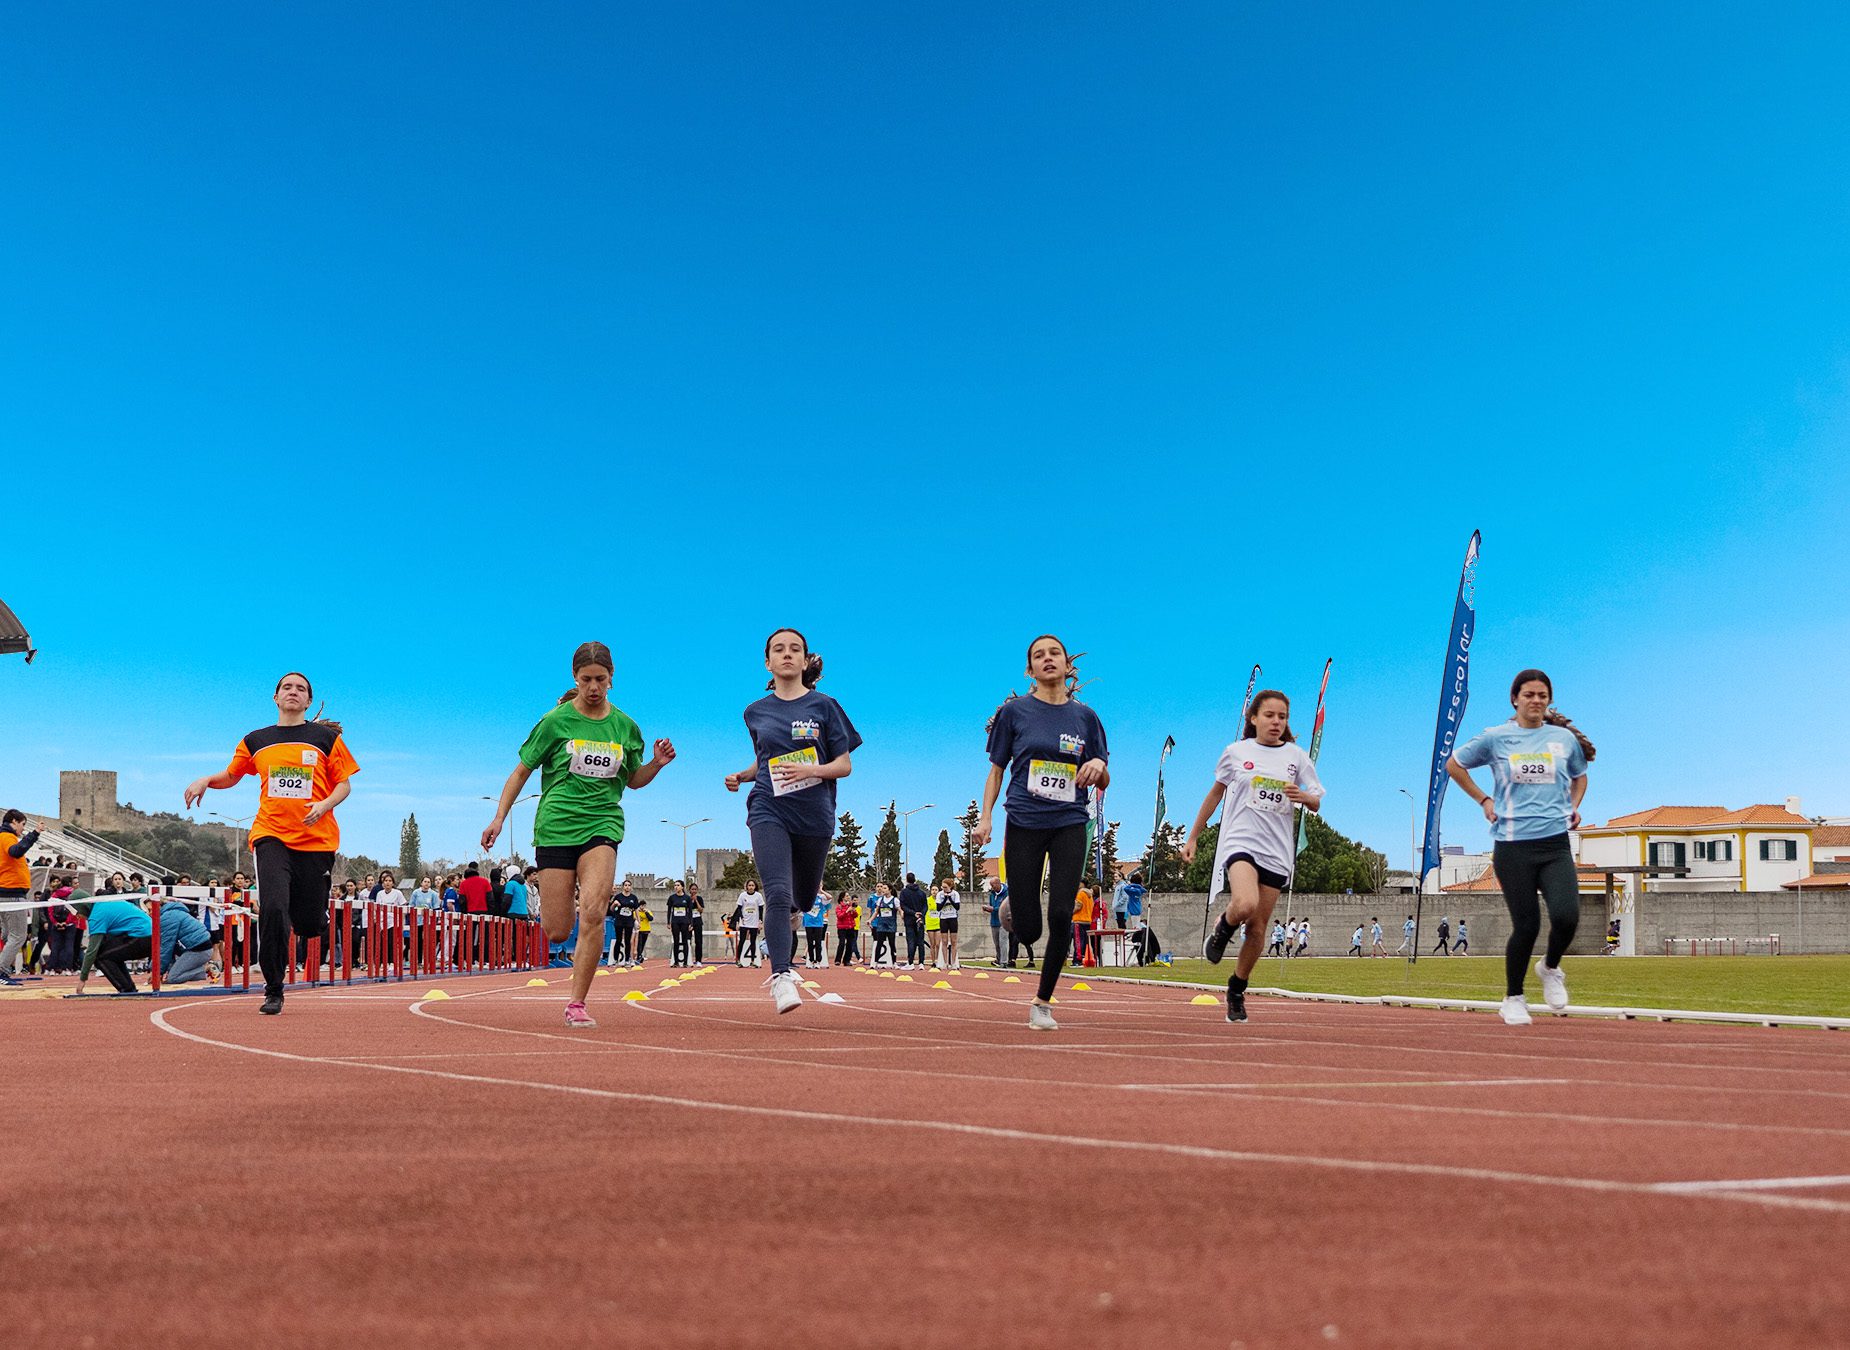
x,y
795,772
1093,773
196,790
664,756
1462,776
1576,793
316,810
509,791
1209,804
992,788
735,781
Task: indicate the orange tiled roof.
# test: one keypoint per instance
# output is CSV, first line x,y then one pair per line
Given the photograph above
x,y
1833,881
1703,817
1488,881
1831,836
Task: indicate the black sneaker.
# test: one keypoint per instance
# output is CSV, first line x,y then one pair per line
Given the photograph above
x,y
1215,946
1236,1002
272,1005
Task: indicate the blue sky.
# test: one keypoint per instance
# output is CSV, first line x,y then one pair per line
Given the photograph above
x,y
411,349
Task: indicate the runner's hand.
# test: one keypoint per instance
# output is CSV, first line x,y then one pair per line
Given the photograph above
x,y
664,750
786,774
316,810
733,780
490,834
1490,810
1188,851
982,830
1300,796
195,792
1090,772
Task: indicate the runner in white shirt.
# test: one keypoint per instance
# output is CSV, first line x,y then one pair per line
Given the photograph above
x,y
751,925
1374,933
1355,941
948,902
1406,937
1259,783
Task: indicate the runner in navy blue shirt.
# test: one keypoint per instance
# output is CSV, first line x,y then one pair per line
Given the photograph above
x,y
801,742
1053,749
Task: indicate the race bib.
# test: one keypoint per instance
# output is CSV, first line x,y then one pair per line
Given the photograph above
x,y
291,781
1533,768
596,759
1053,780
1269,795
807,755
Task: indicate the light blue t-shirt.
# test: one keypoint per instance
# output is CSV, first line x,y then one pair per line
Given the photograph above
x,y
1534,771
816,916
119,917
517,899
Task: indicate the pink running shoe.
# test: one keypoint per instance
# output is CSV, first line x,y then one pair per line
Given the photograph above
x,y
576,1016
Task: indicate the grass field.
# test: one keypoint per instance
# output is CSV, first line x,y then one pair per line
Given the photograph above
x,y
1816,986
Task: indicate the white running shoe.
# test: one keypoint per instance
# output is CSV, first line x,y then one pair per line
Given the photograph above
x,y
1515,1012
1554,986
1040,1018
786,991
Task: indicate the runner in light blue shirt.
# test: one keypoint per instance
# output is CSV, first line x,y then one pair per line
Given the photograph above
x,y
1538,762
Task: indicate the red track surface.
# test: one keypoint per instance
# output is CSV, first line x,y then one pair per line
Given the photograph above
x,y
911,1168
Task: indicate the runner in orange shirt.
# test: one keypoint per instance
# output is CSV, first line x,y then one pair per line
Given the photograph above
x,y
1083,909
303,768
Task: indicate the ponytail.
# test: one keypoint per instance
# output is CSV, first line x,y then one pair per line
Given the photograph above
x,y
588,654
1559,719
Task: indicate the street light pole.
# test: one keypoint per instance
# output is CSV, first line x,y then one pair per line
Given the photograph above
x,y
513,835
237,824
907,817
1413,836
704,820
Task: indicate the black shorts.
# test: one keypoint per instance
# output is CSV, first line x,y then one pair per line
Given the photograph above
x,y
947,925
564,857
1267,877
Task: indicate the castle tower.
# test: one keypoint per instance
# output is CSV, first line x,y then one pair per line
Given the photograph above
x,y
87,798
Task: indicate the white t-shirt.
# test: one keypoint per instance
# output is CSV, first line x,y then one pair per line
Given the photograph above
x,y
1256,817
751,909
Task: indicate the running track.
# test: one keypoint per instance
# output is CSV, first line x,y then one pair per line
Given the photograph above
x,y
912,1167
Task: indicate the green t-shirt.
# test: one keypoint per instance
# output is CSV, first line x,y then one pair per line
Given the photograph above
x,y
584,766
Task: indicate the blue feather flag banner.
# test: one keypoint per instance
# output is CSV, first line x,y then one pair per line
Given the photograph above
x,y
1246,704
1316,748
1162,809
1454,695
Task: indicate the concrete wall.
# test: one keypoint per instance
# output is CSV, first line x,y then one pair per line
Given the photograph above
x,y
1826,928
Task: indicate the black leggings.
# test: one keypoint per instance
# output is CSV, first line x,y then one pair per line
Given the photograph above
x,y
814,937
883,941
789,865
683,934
1524,867
292,892
1061,854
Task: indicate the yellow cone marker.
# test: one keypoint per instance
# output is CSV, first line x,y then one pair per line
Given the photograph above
x,y
536,984
1082,988
906,978
979,976
942,984
1011,979
811,984
1205,1000
434,994
888,975
601,972
667,984
635,996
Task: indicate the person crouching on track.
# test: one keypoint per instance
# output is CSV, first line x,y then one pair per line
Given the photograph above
x,y
186,945
120,932
1261,780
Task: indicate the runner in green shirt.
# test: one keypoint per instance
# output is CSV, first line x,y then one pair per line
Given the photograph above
x,y
587,752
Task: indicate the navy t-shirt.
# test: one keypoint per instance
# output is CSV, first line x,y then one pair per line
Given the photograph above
x,y
812,728
1044,744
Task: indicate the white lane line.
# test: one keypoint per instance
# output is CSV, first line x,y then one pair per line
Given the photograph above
x,y
1329,1087
1198,1152
1752,1184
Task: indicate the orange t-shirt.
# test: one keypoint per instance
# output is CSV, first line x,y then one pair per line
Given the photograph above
x,y
1082,906
295,767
